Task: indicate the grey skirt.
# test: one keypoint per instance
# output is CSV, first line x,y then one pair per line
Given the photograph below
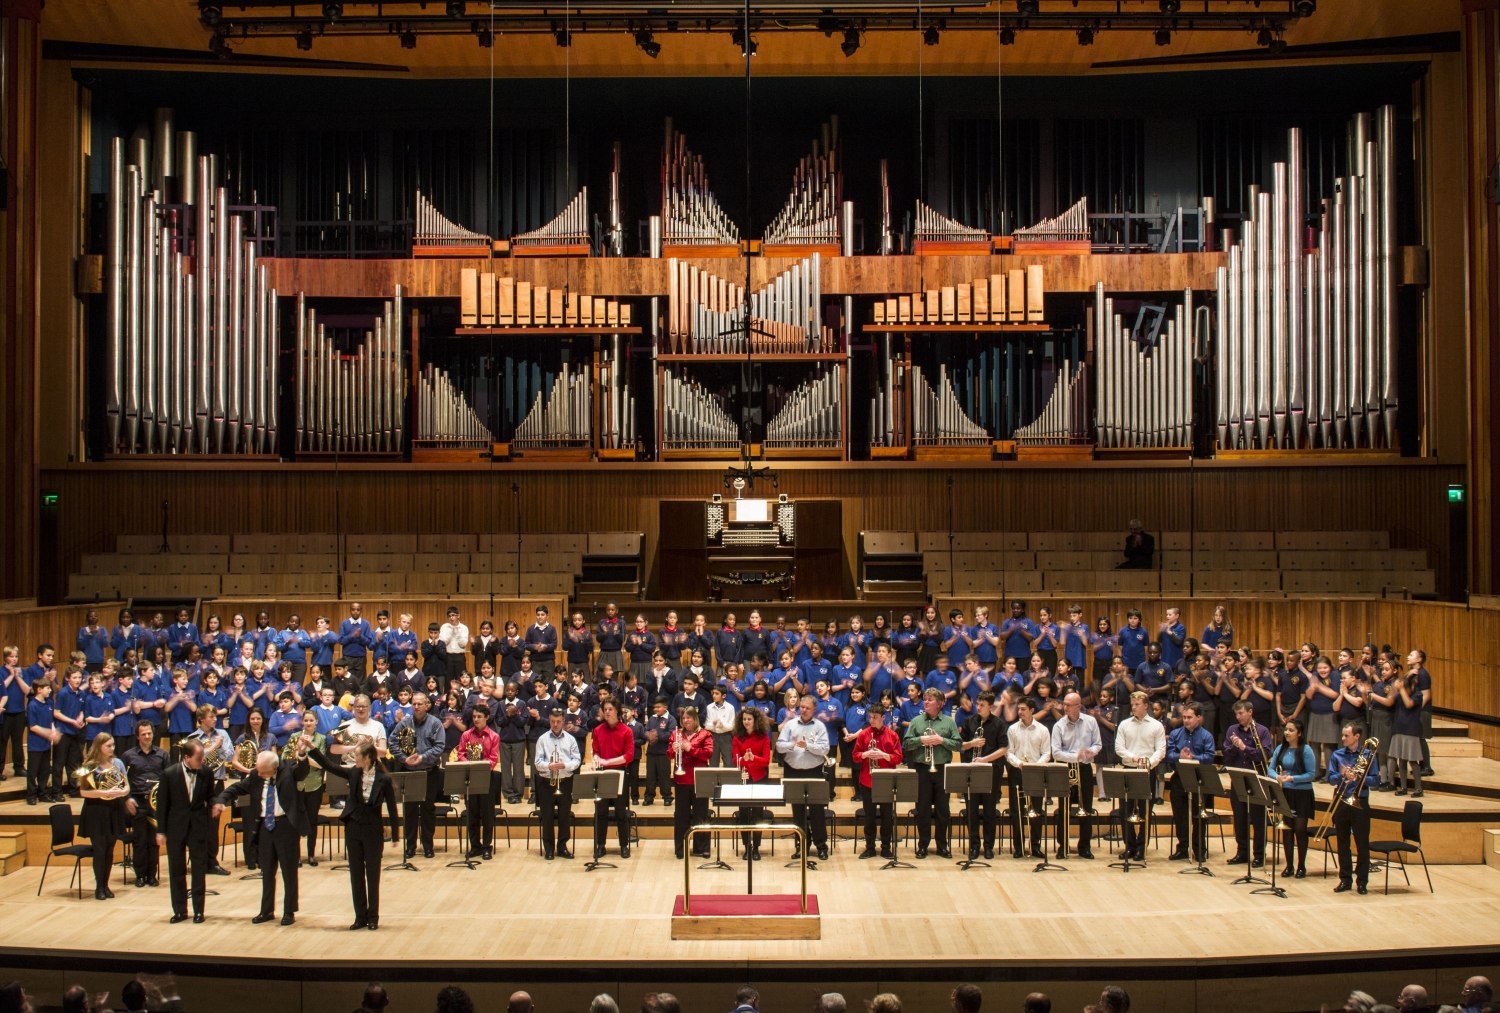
x,y
1323,728
1406,747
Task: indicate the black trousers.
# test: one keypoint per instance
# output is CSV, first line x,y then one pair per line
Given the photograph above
x,y
1134,834
658,776
481,815
311,801
278,851
38,766
620,807
885,814
421,816
555,811
1018,806
356,667
365,843
1080,796
1183,817
932,806
145,857
687,810
98,822
982,811
67,756
752,814
1350,821
15,738
186,857
1249,821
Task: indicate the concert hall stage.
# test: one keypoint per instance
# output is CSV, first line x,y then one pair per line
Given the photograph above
x,y
1178,942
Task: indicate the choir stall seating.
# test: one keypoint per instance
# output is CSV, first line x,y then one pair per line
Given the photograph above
x,y
1257,562
306,565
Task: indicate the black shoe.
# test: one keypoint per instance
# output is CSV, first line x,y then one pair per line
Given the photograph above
x,y
973,855
1037,852
755,849
151,881
564,853
823,853
886,852
1361,890
312,861
1085,853
598,852
261,919
1017,853
869,852
31,800
108,893
547,854
288,919
1238,859
944,851
1178,855
624,851
989,852
426,852
489,852
373,924
358,925
140,881
1400,791
198,918
922,851
1288,872
99,893
408,853
176,919
1417,794
1343,888
796,853
1259,863
1301,872
218,870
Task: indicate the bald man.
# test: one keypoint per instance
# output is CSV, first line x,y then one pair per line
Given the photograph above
x,y
520,1002
1477,991
279,822
1413,999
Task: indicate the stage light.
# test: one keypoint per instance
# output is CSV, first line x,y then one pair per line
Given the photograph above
x,y
850,45
746,48
827,24
562,37
1264,37
1164,36
1304,8
1007,36
333,11
486,38
646,43
456,8
304,39
1171,6
930,36
1028,7
219,46
408,39
1085,36
210,12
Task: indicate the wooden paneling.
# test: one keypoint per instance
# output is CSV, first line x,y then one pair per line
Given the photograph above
x,y
27,627
1404,500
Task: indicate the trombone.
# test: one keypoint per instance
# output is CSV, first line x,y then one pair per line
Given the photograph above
x,y
1346,793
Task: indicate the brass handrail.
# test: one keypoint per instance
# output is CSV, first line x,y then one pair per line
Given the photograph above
x,y
737,828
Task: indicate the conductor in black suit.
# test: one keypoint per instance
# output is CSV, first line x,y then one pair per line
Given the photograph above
x,y
277,814
369,787
185,813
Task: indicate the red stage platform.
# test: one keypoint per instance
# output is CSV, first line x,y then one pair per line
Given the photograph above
x,y
737,916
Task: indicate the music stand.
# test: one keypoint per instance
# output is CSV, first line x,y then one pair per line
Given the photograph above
x,y
806,791
970,779
339,787
407,784
1129,785
1049,781
1243,782
706,784
892,787
467,778
1192,778
1274,792
601,786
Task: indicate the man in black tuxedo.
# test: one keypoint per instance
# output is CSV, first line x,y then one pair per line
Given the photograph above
x,y
276,812
185,813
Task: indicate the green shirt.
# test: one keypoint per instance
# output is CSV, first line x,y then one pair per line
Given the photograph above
x,y
941,725
314,779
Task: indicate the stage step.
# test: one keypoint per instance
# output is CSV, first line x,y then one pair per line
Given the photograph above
x,y
1492,848
1449,728
11,863
12,842
1442,746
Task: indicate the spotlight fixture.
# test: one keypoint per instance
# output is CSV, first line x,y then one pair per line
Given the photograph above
x,y
1164,36
746,47
850,45
1171,6
561,36
486,38
930,36
827,23
1085,36
456,8
1304,8
1264,37
646,43
304,39
1028,7
333,11
408,39
219,46
1278,45
1007,36
210,12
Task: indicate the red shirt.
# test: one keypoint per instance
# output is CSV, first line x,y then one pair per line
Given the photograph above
x,y
759,746
489,742
887,742
700,748
611,743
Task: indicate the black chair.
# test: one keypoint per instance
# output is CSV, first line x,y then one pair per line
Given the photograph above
x,y
61,818
1411,833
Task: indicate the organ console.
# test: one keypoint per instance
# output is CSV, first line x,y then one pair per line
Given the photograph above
x,y
751,548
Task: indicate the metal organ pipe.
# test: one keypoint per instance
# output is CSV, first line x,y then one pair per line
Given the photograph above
x,y
1144,396
812,414
354,403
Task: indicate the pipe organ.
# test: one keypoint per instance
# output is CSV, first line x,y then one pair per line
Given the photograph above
x,y
936,233
706,313
693,418
190,322
1067,233
813,212
1016,297
434,231
811,415
616,397
565,235
1144,394
937,417
560,417
491,300
1307,338
353,404
1064,419
690,214
445,418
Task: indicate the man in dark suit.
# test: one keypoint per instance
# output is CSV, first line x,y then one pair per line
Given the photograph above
x,y
276,812
363,833
185,811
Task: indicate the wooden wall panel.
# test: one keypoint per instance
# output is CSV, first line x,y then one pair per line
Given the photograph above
x,y
97,503
59,625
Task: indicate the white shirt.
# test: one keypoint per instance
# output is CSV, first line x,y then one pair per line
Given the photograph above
x,y
367,785
374,729
1027,744
719,718
1069,738
1138,739
564,747
455,636
810,756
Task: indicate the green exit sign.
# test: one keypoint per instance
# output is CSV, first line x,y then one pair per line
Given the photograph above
x,y
1455,494
49,499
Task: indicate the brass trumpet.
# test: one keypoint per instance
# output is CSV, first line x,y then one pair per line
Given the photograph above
x,y
474,751
678,745
554,777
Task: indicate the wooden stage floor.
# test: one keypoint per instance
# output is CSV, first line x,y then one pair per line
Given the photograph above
x,y
555,926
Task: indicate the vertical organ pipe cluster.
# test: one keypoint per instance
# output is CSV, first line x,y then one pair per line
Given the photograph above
x,y
1144,395
445,419
706,313
690,213
1307,337
617,399
350,403
932,227
937,417
813,210
433,229
569,228
562,417
1072,226
1064,419
885,413
812,414
190,340
692,418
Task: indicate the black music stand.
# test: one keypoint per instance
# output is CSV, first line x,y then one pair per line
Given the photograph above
x,y
1274,793
339,787
1243,782
1049,781
970,779
806,791
407,784
467,778
1196,780
601,786
892,787
1129,785
706,784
